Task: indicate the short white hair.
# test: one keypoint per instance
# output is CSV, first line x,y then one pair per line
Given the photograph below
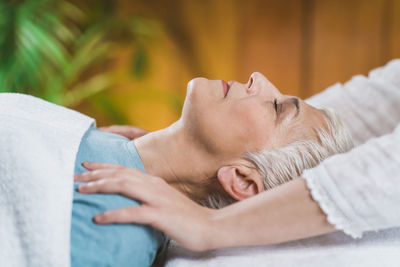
x,y
282,164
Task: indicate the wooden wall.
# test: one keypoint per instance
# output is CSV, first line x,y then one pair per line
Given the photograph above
x,y
302,46
350,37
305,46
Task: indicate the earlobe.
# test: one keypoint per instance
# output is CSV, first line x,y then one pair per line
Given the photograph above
x,y
226,176
240,182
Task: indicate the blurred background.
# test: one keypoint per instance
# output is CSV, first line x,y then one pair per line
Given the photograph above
x,y
129,61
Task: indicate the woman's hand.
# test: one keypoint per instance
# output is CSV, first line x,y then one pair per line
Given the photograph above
x,y
162,206
130,132
282,214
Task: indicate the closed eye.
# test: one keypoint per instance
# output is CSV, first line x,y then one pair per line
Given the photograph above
x,y
277,107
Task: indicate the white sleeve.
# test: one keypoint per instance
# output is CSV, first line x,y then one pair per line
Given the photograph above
x,y
360,190
369,106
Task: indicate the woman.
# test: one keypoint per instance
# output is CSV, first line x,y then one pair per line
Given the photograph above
x,y
232,141
216,153
341,185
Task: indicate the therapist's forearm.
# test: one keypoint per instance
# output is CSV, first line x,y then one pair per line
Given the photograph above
x,y
285,213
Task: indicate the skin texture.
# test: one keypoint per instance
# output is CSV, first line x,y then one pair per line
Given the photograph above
x,y
245,117
285,213
217,126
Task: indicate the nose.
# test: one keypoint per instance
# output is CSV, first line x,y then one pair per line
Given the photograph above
x,y
259,85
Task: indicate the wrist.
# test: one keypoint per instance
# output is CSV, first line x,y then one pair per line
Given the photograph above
x,y
216,233
210,233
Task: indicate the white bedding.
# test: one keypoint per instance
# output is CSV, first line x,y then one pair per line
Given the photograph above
x,y
337,249
38,142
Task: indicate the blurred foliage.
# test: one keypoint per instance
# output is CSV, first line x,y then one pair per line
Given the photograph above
x,y
62,51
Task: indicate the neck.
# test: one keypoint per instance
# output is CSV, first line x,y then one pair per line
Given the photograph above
x,y
173,155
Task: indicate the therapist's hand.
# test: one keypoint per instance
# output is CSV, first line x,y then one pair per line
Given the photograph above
x,y
162,206
130,132
285,213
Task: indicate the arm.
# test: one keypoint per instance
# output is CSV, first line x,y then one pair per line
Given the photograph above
x,y
358,190
364,103
285,213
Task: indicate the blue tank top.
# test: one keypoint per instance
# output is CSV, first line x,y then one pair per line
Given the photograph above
x,y
94,245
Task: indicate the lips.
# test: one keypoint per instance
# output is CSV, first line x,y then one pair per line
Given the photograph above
x,y
250,83
226,86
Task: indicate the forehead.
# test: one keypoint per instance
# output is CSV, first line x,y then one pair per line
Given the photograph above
x,y
313,117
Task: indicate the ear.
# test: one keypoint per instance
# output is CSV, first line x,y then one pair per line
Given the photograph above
x,y
240,181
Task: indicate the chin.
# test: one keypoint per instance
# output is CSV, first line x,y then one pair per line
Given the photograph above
x,y
197,83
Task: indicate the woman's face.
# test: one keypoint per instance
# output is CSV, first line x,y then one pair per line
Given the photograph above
x,y
232,118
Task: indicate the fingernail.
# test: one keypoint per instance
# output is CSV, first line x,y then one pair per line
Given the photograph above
x,y
99,218
82,187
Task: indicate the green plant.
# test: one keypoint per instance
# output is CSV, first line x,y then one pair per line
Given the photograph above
x,y
61,52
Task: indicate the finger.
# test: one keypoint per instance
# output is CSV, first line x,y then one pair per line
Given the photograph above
x,y
132,214
116,129
128,187
113,128
90,165
137,132
96,175
129,132
102,185
99,174
107,128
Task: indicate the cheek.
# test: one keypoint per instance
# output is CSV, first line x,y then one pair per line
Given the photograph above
x,y
255,125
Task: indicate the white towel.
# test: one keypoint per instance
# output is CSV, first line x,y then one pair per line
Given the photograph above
x,y
337,249
38,146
